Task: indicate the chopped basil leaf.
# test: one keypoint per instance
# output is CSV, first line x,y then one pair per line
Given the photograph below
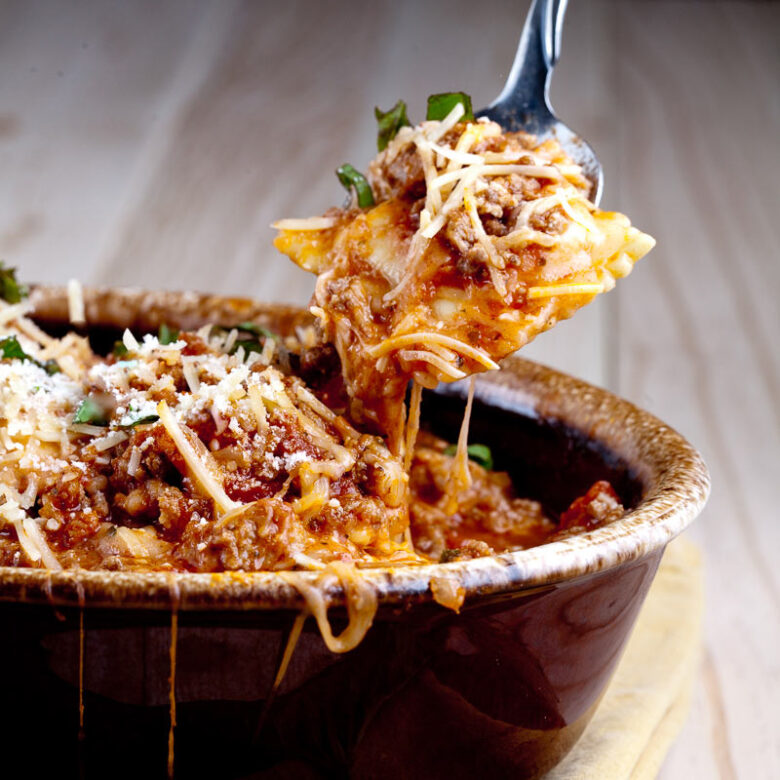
x,y
258,330
246,327
119,350
10,289
439,106
390,122
479,453
11,348
350,177
246,340
166,334
90,413
145,420
249,345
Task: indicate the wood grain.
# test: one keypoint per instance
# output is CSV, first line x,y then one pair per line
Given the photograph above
x,y
153,143
697,337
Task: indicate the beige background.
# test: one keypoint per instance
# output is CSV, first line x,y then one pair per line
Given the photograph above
x,y
151,143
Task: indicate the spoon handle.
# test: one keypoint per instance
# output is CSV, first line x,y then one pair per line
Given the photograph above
x,y
524,101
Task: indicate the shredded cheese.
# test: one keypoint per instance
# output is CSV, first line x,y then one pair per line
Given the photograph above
x,y
309,223
482,237
547,291
457,156
205,479
190,370
258,408
34,543
9,313
130,341
134,461
76,303
110,441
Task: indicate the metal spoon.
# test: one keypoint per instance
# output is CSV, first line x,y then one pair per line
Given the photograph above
x,y
524,103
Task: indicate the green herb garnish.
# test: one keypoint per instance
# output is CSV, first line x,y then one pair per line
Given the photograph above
x,y
350,177
119,350
90,413
440,105
249,345
166,334
390,122
247,331
147,419
11,348
479,453
258,330
10,289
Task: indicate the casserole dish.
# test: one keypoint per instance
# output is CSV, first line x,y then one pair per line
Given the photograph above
x,y
503,688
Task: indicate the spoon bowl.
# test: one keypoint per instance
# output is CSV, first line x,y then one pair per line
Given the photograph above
x,y
524,102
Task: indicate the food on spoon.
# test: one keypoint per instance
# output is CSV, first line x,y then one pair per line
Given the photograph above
x,y
461,245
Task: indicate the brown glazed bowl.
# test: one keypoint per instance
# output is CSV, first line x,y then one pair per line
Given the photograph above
x,y
502,689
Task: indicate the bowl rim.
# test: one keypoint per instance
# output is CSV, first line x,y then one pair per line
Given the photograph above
x,y
675,479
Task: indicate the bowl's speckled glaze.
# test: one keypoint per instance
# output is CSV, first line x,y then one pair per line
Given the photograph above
x,y
503,689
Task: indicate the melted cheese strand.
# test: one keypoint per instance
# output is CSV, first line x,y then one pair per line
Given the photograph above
x,y
289,648
460,478
412,424
361,604
420,337
447,370
316,405
175,598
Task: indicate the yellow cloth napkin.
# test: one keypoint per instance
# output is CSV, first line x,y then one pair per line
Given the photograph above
x,y
648,699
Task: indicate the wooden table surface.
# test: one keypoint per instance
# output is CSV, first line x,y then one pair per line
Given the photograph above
x,y
151,144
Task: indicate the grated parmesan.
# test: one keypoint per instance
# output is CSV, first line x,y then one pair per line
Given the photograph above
x,y
76,303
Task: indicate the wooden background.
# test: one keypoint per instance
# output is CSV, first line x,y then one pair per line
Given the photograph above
x,y
152,143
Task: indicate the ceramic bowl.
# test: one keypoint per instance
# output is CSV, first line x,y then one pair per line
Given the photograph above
x,y
502,689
